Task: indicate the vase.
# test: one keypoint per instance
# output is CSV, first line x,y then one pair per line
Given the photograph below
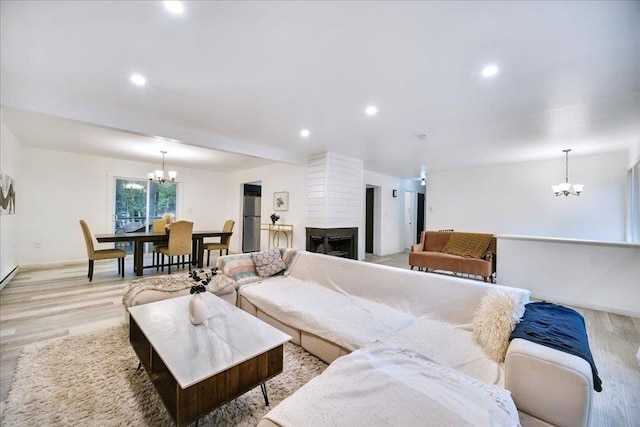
x,y
197,309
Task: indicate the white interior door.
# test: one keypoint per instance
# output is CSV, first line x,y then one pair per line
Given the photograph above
x,y
408,219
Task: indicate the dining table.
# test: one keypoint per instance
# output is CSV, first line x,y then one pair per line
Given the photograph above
x,y
142,237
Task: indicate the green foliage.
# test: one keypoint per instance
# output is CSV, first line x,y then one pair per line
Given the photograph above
x,y
131,199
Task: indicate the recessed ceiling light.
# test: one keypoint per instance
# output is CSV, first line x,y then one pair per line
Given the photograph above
x,y
490,70
175,7
371,110
138,80
305,133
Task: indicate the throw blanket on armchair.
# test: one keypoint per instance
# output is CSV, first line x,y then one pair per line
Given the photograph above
x,y
558,327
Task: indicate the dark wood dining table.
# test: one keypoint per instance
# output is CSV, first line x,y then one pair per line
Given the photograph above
x,y
140,238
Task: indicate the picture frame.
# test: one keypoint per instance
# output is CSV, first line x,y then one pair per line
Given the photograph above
x,y
281,201
7,195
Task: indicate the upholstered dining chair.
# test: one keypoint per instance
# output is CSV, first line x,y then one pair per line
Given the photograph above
x,y
180,237
94,254
158,226
223,243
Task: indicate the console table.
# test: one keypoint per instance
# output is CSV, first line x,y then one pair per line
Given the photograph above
x,y
276,231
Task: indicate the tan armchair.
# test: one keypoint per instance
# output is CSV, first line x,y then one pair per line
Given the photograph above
x,y
223,243
94,254
180,237
158,226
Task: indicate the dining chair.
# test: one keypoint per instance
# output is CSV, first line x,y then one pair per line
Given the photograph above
x,y
180,236
158,226
94,254
223,243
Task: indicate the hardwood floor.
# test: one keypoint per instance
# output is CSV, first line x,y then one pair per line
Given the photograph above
x,y
46,303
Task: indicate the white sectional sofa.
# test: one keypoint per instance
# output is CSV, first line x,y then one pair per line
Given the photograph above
x,y
334,306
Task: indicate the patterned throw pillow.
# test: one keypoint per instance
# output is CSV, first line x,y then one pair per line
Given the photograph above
x,y
240,268
289,256
268,262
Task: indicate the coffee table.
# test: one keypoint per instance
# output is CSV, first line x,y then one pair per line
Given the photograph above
x,y
198,368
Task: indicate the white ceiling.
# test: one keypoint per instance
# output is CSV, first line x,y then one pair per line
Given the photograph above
x,y
246,77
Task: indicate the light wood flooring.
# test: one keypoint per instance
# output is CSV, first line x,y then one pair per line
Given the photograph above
x,y
46,303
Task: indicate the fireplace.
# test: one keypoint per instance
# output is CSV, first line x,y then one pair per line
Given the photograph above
x,y
342,242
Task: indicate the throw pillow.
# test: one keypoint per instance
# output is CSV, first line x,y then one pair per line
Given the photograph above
x,y
240,268
289,256
467,244
494,320
268,262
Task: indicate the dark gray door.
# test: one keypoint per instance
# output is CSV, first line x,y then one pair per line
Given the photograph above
x,y
368,245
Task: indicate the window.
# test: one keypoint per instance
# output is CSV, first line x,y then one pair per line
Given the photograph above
x,y
138,202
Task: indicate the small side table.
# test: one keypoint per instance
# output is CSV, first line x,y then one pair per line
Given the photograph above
x,y
276,231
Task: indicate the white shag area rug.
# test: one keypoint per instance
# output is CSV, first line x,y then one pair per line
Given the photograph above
x,y
91,380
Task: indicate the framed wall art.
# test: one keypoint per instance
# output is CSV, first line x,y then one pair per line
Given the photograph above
x,y
8,195
281,201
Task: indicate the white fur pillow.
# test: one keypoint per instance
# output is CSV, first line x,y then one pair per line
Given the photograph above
x,y
494,320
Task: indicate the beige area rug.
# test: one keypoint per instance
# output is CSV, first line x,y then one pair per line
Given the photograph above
x,y
91,380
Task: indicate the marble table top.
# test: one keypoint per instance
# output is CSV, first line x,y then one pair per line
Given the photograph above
x,y
193,353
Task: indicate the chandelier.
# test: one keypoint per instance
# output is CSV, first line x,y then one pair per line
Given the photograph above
x,y
158,175
564,187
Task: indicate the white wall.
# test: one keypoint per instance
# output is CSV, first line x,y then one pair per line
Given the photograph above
x,y
10,154
57,189
634,154
274,178
596,275
390,229
517,199
334,197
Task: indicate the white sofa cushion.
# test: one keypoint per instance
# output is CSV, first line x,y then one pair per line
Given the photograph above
x,y
450,345
384,386
346,320
452,300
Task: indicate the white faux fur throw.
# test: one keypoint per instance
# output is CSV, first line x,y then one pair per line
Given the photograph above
x,y
495,319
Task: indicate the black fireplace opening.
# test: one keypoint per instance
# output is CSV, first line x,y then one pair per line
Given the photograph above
x,y
341,242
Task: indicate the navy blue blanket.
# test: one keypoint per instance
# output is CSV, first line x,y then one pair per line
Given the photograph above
x,y
557,327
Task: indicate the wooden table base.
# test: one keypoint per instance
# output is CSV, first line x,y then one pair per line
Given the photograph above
x,y
190,404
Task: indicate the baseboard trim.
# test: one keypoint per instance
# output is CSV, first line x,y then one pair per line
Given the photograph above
x,y
6,279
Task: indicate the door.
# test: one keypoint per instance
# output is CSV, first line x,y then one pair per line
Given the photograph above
x,y
138,202
368,245
130,209
419,216
408,219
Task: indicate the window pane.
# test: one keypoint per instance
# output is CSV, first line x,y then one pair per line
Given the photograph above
x,y
130,208
162,199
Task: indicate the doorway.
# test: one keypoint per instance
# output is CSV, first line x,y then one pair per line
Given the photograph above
x,y
419,216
